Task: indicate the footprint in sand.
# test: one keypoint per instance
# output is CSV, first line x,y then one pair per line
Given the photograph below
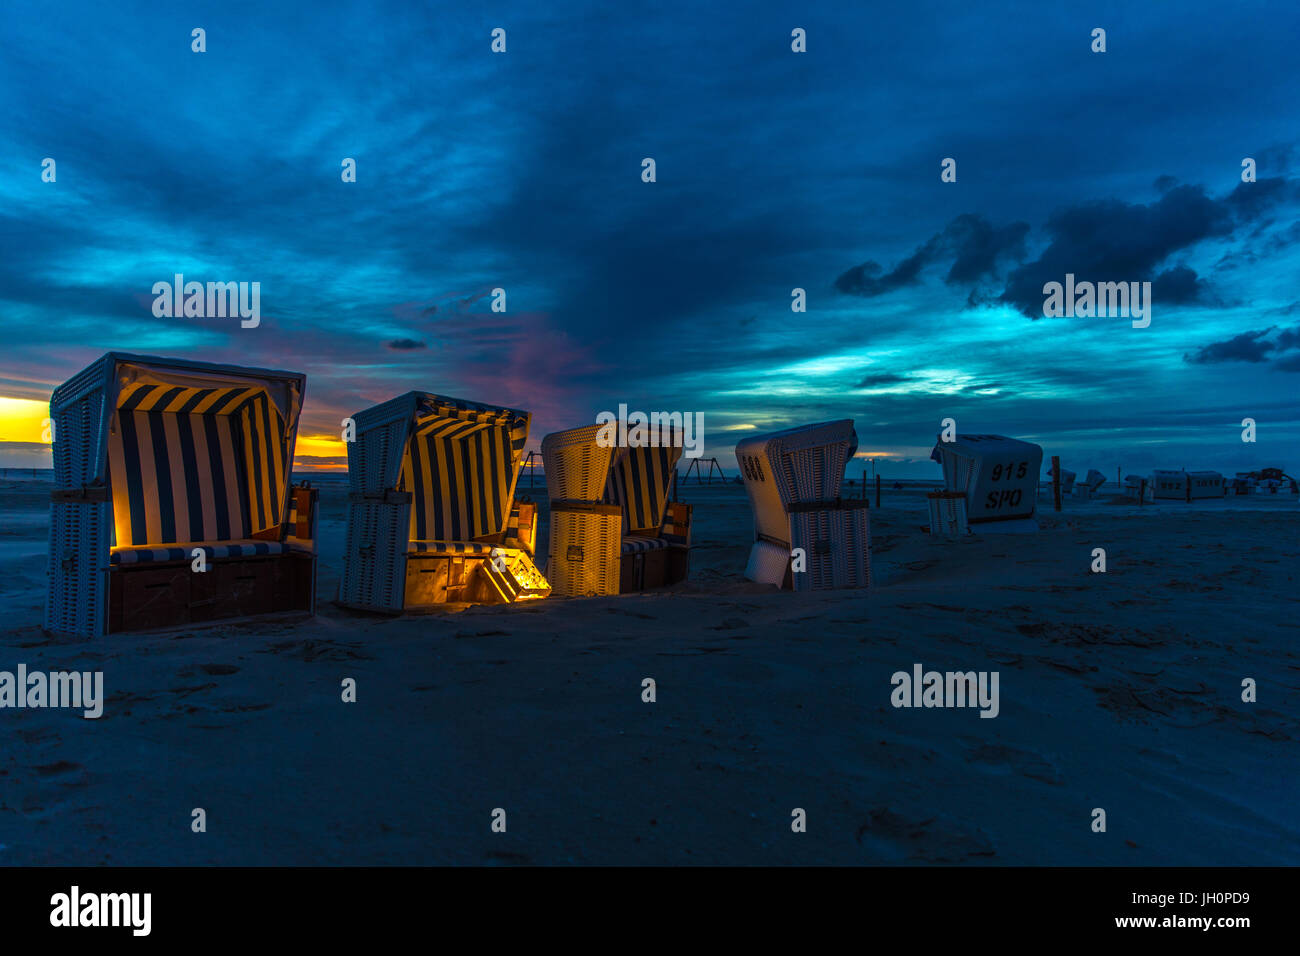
x,y
1012,759
57,768
219,670
892,836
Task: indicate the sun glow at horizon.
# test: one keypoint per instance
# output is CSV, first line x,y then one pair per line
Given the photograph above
x,y
24,420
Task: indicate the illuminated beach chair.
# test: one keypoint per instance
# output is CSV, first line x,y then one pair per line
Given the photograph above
x,y
432,517
998,476
172,503
805,536
612,528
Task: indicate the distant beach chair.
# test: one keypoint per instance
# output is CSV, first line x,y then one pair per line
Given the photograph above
x,y
432,516
1067,480
613,529
1186,485
1090,485
794,478
1137,485
999,477
172,503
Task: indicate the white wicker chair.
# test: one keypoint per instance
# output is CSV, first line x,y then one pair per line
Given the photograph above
x,y
998,476
158,459
794,478
432,517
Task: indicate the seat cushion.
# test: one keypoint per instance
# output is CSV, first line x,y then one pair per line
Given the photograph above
x,y
450,547
246,548
635,543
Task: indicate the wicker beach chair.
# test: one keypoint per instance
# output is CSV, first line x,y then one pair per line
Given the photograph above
x,y
432,516
806,537
613,529
172,503
998,476
1186,485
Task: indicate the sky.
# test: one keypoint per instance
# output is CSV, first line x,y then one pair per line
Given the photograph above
x,y
774,170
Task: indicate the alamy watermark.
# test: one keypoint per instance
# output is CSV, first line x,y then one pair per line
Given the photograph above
x,y
1103,299
923,688
80,690
76,909
218,300
657,429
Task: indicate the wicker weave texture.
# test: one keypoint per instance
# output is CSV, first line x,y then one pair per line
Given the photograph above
x,y
583,558
837,548
576,466
374,560
76,603
948,515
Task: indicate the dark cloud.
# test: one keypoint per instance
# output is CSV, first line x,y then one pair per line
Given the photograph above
x,y
881,378
1115,241
1178,286
972,243
1253,346
405,345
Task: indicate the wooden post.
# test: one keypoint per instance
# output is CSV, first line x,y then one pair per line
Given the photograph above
x,y
1142,492
1056,481
877,491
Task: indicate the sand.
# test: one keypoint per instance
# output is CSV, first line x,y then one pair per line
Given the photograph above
x,y
1119,690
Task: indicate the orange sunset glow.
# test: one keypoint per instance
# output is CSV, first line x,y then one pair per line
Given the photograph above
x,y
23,420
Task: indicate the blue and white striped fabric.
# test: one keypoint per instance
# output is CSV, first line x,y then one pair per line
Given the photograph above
x,y
635,544
229,549
639,482
450,547
461,465
195,464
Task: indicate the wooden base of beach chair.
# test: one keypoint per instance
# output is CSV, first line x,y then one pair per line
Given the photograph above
x,y
653,569
147,597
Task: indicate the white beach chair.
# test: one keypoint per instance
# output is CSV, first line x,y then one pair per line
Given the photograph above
x,y
173,504
806,537
432,516
999,477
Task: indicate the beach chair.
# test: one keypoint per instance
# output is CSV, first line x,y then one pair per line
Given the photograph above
x,y
1138,486
806,537
613,529
1084,490
998,476
172,503
432,515
1067,480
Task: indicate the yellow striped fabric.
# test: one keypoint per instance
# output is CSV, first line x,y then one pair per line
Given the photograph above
x,y
195,464
461,465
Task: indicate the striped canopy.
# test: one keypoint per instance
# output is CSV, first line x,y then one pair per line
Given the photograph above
x,y
199,453
461,463
640,480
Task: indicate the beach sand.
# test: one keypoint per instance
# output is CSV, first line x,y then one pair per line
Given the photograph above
x,y
1119,690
